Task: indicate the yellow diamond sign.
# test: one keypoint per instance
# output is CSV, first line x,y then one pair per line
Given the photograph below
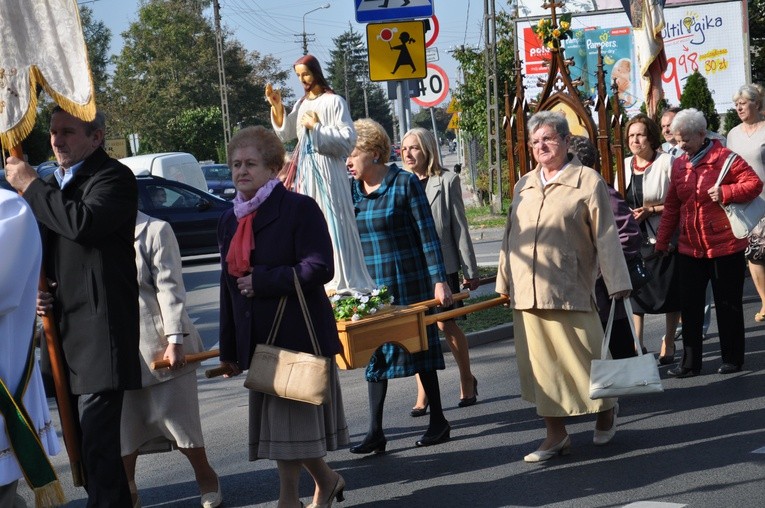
x,y
396,50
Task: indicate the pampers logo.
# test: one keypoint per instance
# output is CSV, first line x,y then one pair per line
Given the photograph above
x,y
605,44
692,26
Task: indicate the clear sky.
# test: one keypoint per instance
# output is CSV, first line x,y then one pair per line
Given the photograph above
x,y
274,26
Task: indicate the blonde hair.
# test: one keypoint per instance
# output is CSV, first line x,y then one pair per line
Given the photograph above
x,y
263,140
371,137
429,147
753,92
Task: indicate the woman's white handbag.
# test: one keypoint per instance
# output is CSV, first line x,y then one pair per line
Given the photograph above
x,y
627,376
743,217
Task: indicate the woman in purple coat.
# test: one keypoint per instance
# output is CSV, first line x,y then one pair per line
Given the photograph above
x,y
269,233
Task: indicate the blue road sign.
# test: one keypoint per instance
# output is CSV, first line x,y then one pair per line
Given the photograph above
x,y
370,11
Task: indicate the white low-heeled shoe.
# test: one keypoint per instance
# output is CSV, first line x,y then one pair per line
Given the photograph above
x,y
562,448
602,437
212,499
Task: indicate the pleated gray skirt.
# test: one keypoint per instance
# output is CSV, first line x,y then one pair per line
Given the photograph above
x,y
281,429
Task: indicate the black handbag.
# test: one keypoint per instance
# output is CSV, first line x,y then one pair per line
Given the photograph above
x,y
639,273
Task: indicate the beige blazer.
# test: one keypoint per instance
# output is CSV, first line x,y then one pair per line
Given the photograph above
x,y
444,194
555,240
162,298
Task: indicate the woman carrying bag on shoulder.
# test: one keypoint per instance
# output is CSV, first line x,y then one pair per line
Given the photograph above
x,y
270,235
708,250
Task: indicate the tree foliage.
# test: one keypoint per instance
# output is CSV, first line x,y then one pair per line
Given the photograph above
x,y
696,94
348,66
423,119
168,66
757,39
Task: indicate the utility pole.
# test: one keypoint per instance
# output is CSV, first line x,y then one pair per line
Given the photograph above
x,y
492,106
221,75
345,76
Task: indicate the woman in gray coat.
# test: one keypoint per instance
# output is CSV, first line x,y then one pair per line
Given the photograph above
x,y
419,153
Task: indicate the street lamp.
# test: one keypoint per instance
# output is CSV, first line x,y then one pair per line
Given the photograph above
x,y
305,35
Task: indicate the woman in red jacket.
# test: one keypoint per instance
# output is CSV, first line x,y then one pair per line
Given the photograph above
x,y
707,248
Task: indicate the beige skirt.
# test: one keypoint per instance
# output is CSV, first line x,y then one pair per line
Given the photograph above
x,y
554,349
282,429
162,417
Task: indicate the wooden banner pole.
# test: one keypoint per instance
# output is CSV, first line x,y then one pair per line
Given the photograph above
x,y
66,413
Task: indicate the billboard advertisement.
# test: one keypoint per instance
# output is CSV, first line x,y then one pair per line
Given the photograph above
x,y
708,37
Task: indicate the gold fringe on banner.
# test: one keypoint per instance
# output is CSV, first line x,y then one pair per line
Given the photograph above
x,y
16,134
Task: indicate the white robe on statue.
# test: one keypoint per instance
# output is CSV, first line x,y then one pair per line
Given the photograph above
x,y
321,174
19,273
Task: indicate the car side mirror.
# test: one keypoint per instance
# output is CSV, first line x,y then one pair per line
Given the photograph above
x,y
202,205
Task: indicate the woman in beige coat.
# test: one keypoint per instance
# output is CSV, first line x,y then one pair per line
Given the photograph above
x,y
559,232
164,414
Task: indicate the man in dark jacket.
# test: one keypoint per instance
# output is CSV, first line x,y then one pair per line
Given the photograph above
x,y
87,212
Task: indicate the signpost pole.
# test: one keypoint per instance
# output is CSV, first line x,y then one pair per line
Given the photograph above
x,y
403,125
435,133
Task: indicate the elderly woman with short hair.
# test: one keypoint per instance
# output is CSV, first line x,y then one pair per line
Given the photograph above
x,y
708,251
560,231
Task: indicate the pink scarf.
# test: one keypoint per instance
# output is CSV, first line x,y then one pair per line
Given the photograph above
x,y
243,242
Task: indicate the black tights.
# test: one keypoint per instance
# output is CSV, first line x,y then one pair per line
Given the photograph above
x,y
379,389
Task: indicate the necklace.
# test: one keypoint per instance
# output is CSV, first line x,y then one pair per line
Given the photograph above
x,y
750,129
640,169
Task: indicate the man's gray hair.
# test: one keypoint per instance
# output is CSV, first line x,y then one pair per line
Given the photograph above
x,y
98,123
689,121
552,118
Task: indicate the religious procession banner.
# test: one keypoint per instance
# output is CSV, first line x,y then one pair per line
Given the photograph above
x,y
708,37
42,46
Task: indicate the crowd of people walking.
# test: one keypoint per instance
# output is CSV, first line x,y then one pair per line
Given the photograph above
x,y
340,220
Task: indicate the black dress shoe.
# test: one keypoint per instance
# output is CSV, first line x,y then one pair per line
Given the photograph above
x,y
729,368
682,372
370,446
434,439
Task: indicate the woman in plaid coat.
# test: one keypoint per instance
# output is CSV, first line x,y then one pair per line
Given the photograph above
x,y
402,251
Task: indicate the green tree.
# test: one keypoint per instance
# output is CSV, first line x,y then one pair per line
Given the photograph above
x,y
730,120
168,65
422,119
696,94
196,130
348,65
471,93
97,39
757,39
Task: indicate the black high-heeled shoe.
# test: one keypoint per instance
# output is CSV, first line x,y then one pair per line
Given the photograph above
x,y
667,359
470,401
370,446
439,437
419,411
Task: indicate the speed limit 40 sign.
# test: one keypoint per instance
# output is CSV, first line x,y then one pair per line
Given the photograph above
x,y
434,88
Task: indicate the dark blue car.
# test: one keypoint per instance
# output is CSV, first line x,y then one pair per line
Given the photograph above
x,y
219,182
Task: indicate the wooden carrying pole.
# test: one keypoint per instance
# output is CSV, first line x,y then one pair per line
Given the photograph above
x,y
194,357
66,411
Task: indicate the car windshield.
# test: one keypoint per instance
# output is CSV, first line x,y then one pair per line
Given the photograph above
x,y
220,172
